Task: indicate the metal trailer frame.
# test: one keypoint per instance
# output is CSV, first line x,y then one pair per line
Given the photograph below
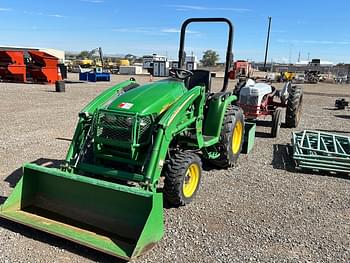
x,y
321,151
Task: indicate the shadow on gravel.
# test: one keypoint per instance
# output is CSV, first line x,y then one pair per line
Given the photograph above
x,y
63,244
282,160
73,81
2,199
52,91
63,139
262,134
15,176
263,123
331,109
342,116
282,157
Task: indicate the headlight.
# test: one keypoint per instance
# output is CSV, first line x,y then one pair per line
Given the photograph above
x,y
129,121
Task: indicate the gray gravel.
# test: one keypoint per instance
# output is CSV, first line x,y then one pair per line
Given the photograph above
x,y
260,211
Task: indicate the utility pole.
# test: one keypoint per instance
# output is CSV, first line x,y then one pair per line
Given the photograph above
x,y
267,42
299,57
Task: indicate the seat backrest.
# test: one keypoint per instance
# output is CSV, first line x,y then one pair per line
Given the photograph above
x,y
200,77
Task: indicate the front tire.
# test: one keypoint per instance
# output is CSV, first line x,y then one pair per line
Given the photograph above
x,y
276,123
182,178
294,106
231,138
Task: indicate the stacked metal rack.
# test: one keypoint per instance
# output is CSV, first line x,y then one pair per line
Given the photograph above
x,y
321,151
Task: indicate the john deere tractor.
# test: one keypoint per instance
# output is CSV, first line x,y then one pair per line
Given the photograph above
x,y
129,142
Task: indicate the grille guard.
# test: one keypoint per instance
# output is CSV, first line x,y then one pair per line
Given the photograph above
x,y
125,132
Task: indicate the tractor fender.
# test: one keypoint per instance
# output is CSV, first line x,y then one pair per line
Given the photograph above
x,y
215,112
170,124
175,114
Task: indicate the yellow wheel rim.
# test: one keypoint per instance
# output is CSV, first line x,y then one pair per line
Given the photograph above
x,y
191,180
237,137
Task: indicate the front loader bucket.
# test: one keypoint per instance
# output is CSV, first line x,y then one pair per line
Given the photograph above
x,y
120,220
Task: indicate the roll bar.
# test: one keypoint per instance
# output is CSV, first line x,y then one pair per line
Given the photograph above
x,y
229,54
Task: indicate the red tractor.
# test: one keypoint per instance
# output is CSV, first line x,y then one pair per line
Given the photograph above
x,y
261,99
241,69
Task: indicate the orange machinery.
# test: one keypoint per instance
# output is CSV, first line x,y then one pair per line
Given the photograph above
x,y
43,67
12,66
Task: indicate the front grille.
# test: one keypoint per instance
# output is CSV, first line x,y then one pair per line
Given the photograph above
x,y
122,128
145,124
249,100
114,127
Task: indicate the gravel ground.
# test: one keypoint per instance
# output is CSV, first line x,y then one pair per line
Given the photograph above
x,y
260,210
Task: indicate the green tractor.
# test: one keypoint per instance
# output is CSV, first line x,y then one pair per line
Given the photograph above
x,y
107,194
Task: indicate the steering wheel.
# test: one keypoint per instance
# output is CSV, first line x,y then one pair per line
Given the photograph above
x,y
180,73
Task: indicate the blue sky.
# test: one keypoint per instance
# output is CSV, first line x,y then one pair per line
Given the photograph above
x,y
145,27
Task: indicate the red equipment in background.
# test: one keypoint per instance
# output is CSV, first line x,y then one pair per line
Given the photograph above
x,y
43,67
241,69
12,67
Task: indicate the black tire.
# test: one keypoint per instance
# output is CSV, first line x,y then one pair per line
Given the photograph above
x,y
276,122
294,106
176,173
238,87
229,153
60,86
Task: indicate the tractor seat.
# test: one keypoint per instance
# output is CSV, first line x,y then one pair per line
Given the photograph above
x,y
200,77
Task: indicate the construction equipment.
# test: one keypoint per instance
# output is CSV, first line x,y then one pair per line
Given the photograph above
x,y
43,67
312,76
12,67
106,194
288,76
321,151
258,99
241,69
29,66
97,73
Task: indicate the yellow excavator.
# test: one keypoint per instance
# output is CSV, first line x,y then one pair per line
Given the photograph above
x,y
288,76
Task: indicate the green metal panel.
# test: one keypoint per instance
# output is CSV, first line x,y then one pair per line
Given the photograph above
x,y
117,219
152,98
106,96
215,115
249,137
169,125
321,151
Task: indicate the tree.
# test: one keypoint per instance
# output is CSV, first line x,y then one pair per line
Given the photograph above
x,y
210,57
83,54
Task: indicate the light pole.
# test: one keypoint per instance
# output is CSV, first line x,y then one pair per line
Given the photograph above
x,y
267,42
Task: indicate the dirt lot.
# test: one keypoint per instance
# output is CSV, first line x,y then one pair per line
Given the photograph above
x,y
260,210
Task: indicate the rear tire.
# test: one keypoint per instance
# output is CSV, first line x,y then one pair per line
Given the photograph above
x,y
182,178
294,106
276,122
231,138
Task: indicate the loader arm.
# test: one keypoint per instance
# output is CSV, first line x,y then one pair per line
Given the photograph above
x,y
85,115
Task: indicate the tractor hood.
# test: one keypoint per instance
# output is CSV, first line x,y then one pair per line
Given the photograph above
x,y
152,98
